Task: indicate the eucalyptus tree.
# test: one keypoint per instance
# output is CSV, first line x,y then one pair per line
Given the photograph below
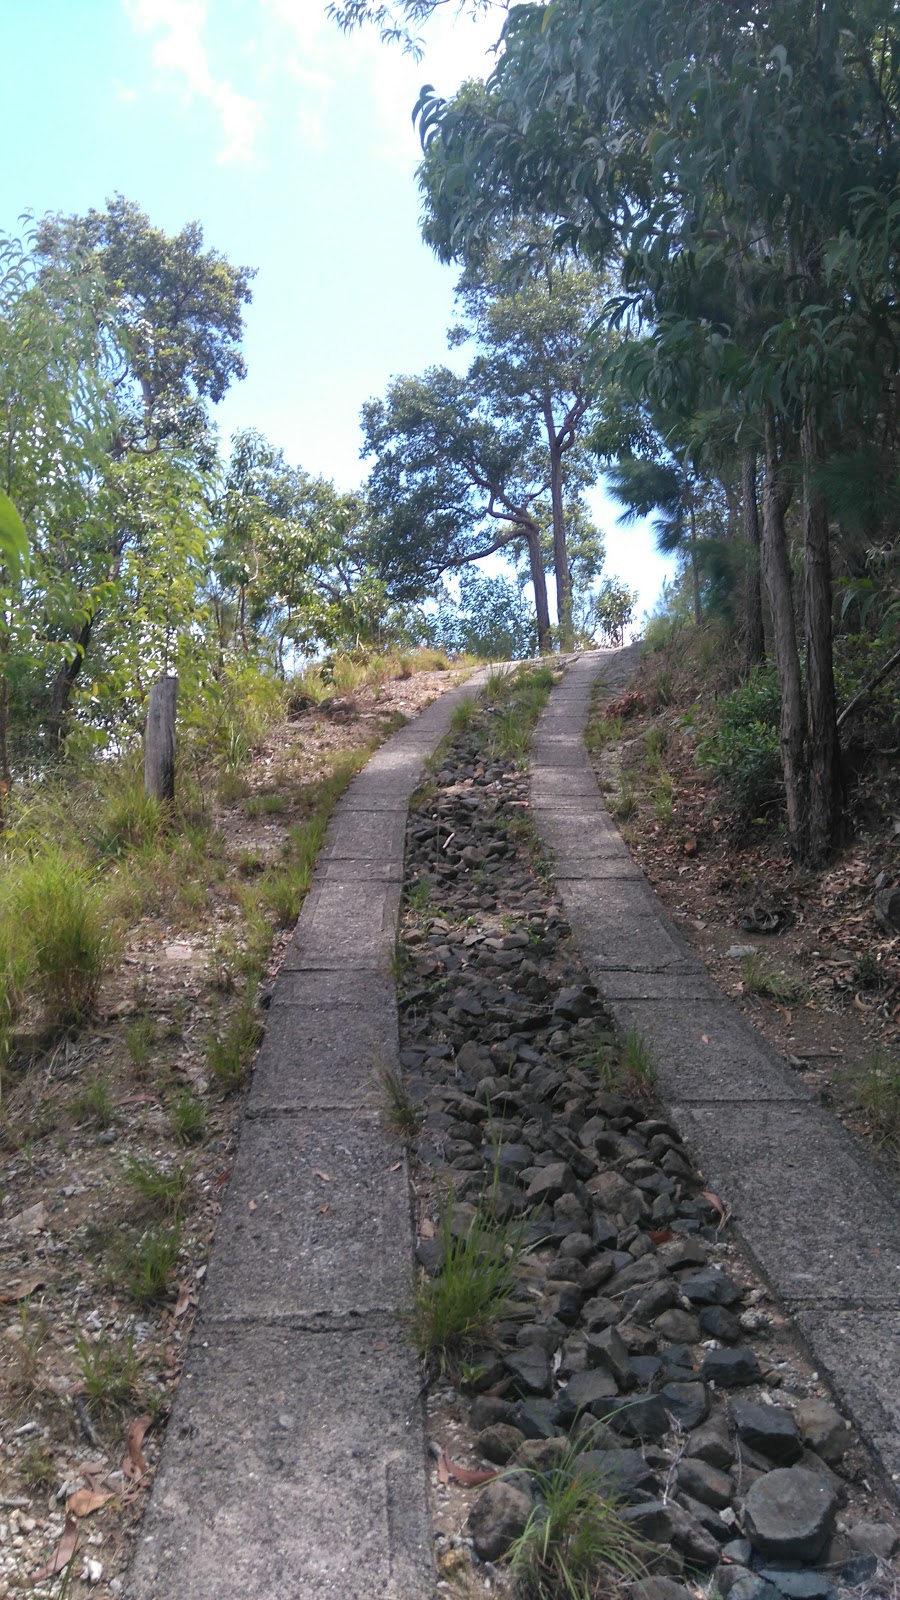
x,y
453,481
753,143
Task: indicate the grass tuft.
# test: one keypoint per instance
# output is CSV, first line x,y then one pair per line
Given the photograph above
x,y
58,906
576,1545
778,986
878,1095
402,1113
453,1313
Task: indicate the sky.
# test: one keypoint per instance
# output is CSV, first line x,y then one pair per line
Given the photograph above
x,y
293,145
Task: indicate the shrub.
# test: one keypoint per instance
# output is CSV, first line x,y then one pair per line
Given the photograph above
x,y
743,751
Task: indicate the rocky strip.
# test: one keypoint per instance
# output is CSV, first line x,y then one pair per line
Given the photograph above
x,y
293,1463
642,1338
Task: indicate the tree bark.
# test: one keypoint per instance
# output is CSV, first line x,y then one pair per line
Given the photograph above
x,y
777,577
825,824
754,640
539,584
159,741
560,552
64,683
695,576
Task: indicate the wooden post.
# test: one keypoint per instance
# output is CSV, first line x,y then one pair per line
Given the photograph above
x,y
159,741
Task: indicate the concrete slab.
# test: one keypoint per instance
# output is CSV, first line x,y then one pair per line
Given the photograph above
x,y
806,1199
316,1220
705,1050
689,985
593,869
324,991
345,924
289,1473
318,1057
857,1349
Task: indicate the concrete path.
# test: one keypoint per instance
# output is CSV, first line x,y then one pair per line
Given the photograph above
x,y
294,1463
821,1220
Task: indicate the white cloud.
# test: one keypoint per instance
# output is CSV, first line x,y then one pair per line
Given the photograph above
x,y
125,93
181,51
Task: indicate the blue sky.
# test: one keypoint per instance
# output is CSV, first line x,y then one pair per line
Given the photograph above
x,y
293,145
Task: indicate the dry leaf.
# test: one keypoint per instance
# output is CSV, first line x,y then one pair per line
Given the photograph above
x,y
84,1501
443,1474
182,1302
396,1167
251,1205
23,1289
704,1038
469,1477
63,1553
715,1202
134,1465
324,1210
323,1175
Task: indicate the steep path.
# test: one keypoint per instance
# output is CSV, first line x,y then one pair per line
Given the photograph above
x,y
811,1206
294,1460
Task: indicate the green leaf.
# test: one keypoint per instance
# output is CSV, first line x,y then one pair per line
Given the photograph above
x,y
13,539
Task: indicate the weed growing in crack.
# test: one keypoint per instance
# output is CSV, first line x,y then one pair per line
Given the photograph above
x,y
637,1074
401,1111
453,1313
576,1545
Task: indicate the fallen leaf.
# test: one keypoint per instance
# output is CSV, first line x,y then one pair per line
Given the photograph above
x,y
323,1175
714,1201
663,1236
704,1038
469,1477
324,1210
84,1501
396,1167
23,1289
182,1302
443,1474
221,1178
251,1205
690,846
134,1465
63,1553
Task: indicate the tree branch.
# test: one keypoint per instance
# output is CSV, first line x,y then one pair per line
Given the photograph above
x,y
868,688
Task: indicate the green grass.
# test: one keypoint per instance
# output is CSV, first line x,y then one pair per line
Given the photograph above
x,y
160,1191
624,805
453,1313
778,986
636,1070
267,805
465,715
110,1371
663,798
55,907
140,1037
93,1104
575,1545
878,1095
187,1118
401,1111
228,1056
148,1265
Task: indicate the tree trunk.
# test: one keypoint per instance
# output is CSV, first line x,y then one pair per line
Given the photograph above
x,y
560,552
777,576
159,741
539,583
825,785
695,576
755,641
64,683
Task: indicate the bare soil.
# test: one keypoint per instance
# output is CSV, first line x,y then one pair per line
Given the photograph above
x,y
87,1371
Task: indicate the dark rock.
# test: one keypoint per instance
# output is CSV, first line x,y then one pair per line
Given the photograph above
x,y
789,1514
711,1443
707,1516
535,1418
565,1304
874,1539
647,1270
730,1369
682,1326
858,1571
497,1519
499,1443
799,1585
886,905
728,1577
621,1472
823,1429
600,1313
688,1403
543,1455
703,1482
753,1588
709,1287
570,1004
717,1322
669,1524
549,1183
653,1301
607,1349
658,1588
585,1392
529,1368
488,1409
604,1232
642,1418
769,1429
